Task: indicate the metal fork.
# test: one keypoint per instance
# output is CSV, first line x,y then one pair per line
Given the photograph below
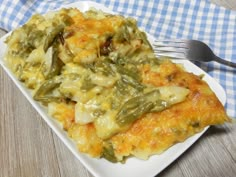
x,y
187,49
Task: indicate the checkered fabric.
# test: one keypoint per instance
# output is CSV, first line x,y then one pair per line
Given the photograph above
x,y
195,19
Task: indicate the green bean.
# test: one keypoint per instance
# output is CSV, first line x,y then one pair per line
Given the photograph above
x,y
55,66
128,116
135,107
42,94
19,71
108,153
87,84
122,34
132,82
29,43
131,23
35,38
31,38
47,99
152,101
143,36
105,66
154,61
160,105
28,28
23,50
52,36
121,88
121,61
129,70
130,76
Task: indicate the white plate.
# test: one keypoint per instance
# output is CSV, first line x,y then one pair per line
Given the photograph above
x,y
133,167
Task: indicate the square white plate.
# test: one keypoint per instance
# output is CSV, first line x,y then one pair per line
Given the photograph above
x,y
133,167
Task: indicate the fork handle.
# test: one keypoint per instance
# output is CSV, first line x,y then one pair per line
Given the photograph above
x,y
225,62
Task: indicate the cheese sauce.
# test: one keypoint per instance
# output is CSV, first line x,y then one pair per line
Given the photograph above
x,y
98,76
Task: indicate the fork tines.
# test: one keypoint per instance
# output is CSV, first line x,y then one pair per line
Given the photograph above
x,y
170,48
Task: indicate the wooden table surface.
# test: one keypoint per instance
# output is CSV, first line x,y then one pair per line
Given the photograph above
x,y
29,148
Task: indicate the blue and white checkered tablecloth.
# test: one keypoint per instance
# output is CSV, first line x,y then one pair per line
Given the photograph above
x,y
195,19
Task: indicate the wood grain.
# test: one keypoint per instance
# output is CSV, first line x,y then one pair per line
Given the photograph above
x,y
29,148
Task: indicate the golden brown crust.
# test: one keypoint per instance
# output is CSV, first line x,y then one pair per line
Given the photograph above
x,y
102,63
156,132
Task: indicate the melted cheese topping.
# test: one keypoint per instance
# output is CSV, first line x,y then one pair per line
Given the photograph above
x,y
99,77
156,132
89,34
